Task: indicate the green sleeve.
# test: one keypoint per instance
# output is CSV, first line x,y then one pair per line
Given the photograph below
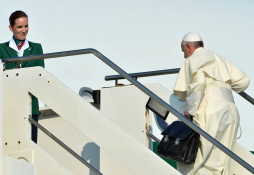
x,y
40,62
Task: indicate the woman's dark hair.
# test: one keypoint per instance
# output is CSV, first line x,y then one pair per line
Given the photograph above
x,y
15,15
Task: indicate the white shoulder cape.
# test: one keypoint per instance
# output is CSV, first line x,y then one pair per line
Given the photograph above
x,y
212,64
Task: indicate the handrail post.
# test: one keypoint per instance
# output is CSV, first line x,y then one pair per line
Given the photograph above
x,y
116,82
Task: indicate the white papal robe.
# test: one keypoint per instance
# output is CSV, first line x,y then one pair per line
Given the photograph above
x,y
205,83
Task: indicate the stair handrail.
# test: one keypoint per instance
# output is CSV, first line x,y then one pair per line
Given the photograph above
x,y
142,88
49,134
144,74
163,72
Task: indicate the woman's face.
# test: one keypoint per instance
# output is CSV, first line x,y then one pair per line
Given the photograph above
x,y
20,28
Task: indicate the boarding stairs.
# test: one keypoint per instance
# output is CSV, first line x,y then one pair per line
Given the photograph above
x,y
79,138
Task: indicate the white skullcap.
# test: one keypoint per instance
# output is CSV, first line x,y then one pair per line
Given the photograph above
x,y
192,37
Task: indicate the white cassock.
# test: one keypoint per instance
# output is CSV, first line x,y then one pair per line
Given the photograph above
x,y
205,82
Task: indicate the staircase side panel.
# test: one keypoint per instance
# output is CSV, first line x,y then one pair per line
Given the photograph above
x,y
83,116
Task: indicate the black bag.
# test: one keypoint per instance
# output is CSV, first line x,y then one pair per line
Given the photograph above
x,y
179,143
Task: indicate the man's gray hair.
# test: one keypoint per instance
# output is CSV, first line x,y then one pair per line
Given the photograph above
x,y
195,44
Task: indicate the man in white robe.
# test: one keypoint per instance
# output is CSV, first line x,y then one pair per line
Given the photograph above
x,y
205,83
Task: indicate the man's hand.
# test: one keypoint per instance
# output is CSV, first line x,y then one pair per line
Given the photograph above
x,y
186,114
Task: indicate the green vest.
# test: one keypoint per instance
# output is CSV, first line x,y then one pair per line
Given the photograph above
x,y
34,49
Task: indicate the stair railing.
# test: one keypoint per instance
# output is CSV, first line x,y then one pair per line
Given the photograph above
x,y
142,88
31,120
163,72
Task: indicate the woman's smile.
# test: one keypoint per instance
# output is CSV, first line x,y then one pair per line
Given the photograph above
x,y
20,28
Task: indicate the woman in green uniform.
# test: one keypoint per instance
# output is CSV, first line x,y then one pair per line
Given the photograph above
x,y
19,46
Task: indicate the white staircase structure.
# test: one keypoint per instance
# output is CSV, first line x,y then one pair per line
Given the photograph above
x,y
113,140
125,106
83,128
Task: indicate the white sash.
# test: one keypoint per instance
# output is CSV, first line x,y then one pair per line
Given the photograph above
x,y
214,94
